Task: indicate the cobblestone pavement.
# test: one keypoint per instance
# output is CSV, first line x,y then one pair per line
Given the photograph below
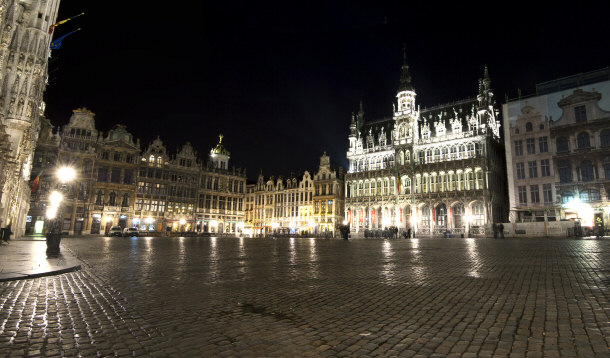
x,y
304,297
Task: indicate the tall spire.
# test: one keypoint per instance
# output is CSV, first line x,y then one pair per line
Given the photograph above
x,y
405,77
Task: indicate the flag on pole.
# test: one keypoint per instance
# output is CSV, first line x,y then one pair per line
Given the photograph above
x,y
36,181
52,27
55,45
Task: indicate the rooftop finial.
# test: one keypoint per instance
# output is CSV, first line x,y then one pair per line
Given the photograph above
x,y
220,138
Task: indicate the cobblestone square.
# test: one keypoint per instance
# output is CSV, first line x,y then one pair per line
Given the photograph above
x,y
312,297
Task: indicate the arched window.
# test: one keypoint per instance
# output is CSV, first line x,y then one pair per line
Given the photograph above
x,y
429,156
445,153
406,184
479,179
562,144
422,156
469,180
425,184
407,156
425,216
529,127
433,188
441,215
437,155
451,179
478,214
604,138
586,171
583,140
453,153
458,215
460,180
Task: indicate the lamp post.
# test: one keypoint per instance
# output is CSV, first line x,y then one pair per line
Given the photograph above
x,y
55,209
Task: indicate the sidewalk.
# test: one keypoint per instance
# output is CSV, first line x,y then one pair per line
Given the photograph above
x,y
27,258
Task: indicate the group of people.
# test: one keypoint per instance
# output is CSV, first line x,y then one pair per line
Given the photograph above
x,y
498,229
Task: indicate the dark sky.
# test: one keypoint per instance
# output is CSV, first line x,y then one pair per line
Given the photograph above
x,y
280,79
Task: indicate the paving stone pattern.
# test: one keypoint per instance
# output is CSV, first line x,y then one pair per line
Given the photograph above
x,y
304,297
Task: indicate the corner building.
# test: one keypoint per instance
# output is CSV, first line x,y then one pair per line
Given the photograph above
x,y
435,171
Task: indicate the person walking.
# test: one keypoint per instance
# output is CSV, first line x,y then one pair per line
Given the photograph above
x,y
501,229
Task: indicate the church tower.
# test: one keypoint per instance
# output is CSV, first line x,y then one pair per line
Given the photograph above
x,y
24,54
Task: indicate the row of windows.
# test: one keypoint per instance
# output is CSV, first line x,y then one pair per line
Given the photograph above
x,y
586,172
547,193
118,157
115,175
112,199
220,202
585,196
426,183
543,146
583,141
532,166
283,198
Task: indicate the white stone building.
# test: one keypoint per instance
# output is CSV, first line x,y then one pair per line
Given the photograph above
x,y
435,171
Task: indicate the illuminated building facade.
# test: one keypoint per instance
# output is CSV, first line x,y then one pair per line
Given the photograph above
x,y
435,171
221,194
152,190
283,206
328,199
114,180
116,184
24,54
558,151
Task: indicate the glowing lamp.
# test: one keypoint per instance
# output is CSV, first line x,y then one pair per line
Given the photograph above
x,y
66,174
51,212
149,220
182,221
55,198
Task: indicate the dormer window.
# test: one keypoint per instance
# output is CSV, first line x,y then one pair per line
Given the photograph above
x,y
529,127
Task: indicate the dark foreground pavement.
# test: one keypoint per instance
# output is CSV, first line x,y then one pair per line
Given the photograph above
x,y
301,297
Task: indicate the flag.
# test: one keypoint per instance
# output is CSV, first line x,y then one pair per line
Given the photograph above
x,y
52,27
55,45
36,181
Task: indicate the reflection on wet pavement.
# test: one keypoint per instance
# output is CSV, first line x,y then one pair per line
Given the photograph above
x,y
294,297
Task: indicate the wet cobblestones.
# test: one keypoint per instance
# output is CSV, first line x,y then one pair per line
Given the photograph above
x,y
319,298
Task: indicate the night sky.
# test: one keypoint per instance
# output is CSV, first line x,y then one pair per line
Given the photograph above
x,y
281,79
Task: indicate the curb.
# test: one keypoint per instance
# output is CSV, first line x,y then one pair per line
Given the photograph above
x,y
42,274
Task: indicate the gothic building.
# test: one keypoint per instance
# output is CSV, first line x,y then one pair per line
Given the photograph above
x,y
24,53
434,171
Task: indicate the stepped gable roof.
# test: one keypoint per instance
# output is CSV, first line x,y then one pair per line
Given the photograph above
x,y
447,113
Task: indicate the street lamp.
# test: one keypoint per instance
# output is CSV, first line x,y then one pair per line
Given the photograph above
x,y
54,211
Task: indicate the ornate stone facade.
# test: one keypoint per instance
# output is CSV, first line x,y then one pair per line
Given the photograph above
x,y
283,206
558,152
328,198
435,171
116,184
24,53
